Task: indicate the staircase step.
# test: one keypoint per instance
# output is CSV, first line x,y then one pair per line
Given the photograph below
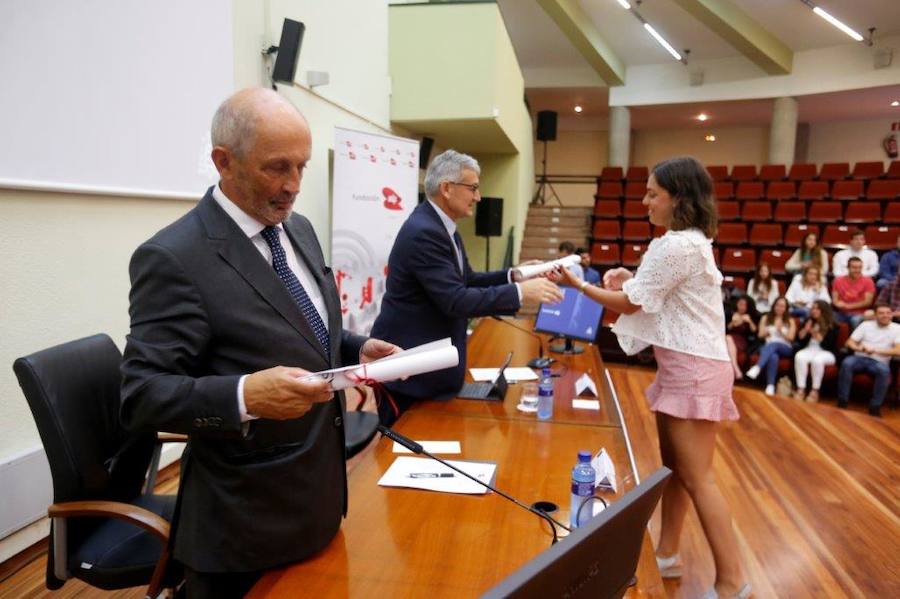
x,y
558,221
559,233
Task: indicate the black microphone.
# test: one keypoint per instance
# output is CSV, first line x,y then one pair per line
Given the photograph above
x,y
540,361
418,449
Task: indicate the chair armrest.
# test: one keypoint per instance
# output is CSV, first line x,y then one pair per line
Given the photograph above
x,y
113,509
171,438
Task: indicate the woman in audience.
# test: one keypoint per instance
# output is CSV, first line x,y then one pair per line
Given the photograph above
x,y
673,304
810,253
778,329
740,330
763,288
805,289
817,336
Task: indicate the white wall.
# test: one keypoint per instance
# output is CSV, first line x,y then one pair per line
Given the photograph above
x,y
733,145
848,141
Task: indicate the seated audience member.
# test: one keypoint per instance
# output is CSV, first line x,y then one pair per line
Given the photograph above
x,y
778,329
740,331
763,288
887,267
567,248
859,250
874,343
817,337
806,288
852,294
591,275
810,253
889,295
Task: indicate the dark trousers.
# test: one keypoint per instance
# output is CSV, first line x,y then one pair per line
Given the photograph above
x,y
769,356
856,363
219,585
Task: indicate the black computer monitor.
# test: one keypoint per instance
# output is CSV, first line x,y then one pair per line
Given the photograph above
x,y
597,560
576,317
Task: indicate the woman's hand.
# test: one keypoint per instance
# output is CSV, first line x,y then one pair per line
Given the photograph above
x,y
567,277
614,278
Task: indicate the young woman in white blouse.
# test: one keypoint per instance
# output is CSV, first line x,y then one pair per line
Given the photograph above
x,y
806,288
673,303
763,288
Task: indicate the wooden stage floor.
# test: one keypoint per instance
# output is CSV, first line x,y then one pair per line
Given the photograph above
x,y
815,493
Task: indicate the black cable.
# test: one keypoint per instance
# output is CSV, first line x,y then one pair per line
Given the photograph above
x,y
585,501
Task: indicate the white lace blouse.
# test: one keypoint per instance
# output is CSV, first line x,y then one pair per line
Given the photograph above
x,y
679,290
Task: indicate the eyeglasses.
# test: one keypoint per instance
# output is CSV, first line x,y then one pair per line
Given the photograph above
x,y
473,187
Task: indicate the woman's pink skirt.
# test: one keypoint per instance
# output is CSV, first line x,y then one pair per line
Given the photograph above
x,y
692,387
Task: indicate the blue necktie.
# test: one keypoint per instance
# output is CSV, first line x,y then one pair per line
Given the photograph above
x,y
279,262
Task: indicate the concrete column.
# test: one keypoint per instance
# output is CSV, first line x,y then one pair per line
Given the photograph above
x,y
783,133
619,136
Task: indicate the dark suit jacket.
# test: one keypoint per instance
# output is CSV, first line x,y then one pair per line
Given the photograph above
x,y
428,298
207,308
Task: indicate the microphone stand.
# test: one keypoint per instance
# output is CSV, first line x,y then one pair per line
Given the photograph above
x,y
540,361
418,449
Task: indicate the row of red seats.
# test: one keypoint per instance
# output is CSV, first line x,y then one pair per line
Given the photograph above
x,y
878,237
831,171
881,189
818,212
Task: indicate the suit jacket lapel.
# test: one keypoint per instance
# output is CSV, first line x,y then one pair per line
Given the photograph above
x,y
435,217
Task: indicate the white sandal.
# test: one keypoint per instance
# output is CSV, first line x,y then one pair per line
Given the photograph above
x,y
669,567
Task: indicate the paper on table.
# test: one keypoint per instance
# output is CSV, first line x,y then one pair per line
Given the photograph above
x,y
585,383
398,475
443,447
606,471
532,270
586,404
423,358
513,375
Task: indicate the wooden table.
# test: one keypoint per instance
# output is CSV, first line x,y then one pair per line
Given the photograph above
x,y
412,543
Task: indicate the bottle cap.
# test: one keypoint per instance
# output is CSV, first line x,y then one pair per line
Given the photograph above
x,y
584,456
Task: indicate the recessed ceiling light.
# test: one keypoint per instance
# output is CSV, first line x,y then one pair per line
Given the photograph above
x,y
702,116
624,4
710,138
578,108
895,103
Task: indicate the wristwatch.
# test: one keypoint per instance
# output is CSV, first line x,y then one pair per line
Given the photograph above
x,y
582,286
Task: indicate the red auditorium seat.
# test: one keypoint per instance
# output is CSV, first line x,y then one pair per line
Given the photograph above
x,y
868,170
634,209
605,254
609,190
825,212
794,234
881,238
735,282
732,234
723,190
658,231
608,208
863,212
772,172
765,234
635,190
790,212
738,260
611,173
728,210
632,253
781,190
776,260
606,230
638,173
750,190
893,171
718,173
756,211
636,230
847,190
892,213
743,172
802,172
886,189
812,190
836,236
832,171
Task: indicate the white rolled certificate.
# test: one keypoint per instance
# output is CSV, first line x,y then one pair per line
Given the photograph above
x,y
532,270
424,358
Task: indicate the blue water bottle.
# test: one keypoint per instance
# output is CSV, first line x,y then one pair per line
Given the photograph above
x,y
583,478
545,396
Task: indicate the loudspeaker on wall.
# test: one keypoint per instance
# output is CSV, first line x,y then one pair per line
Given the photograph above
x,y
285,68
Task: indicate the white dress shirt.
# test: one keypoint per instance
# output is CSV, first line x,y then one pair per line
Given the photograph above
x,y
252,228
869,259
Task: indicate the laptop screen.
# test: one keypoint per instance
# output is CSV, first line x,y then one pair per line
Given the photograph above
x,y
576,316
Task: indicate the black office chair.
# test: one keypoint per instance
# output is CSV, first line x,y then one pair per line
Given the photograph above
x,y
105,530
359,429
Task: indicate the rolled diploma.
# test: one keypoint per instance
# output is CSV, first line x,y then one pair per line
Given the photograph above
x,y
396,367
532,270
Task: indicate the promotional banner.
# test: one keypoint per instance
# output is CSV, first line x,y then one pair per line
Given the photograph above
x,y
376,179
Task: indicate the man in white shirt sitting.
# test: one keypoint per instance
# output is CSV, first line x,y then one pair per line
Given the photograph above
x,y
874,342
859,250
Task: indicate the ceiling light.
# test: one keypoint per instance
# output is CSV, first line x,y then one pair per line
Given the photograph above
x,y
578,108
837,24
895,103
710,138
662,42
624,4
702,116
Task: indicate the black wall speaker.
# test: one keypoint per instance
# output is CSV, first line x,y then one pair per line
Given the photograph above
x,y
425,151
489,217
288,51
546,125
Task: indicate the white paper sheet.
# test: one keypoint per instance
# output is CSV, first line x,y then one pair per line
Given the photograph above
x,y
398,475
606,471
423,358
586,404
439,447
513,375
532,270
